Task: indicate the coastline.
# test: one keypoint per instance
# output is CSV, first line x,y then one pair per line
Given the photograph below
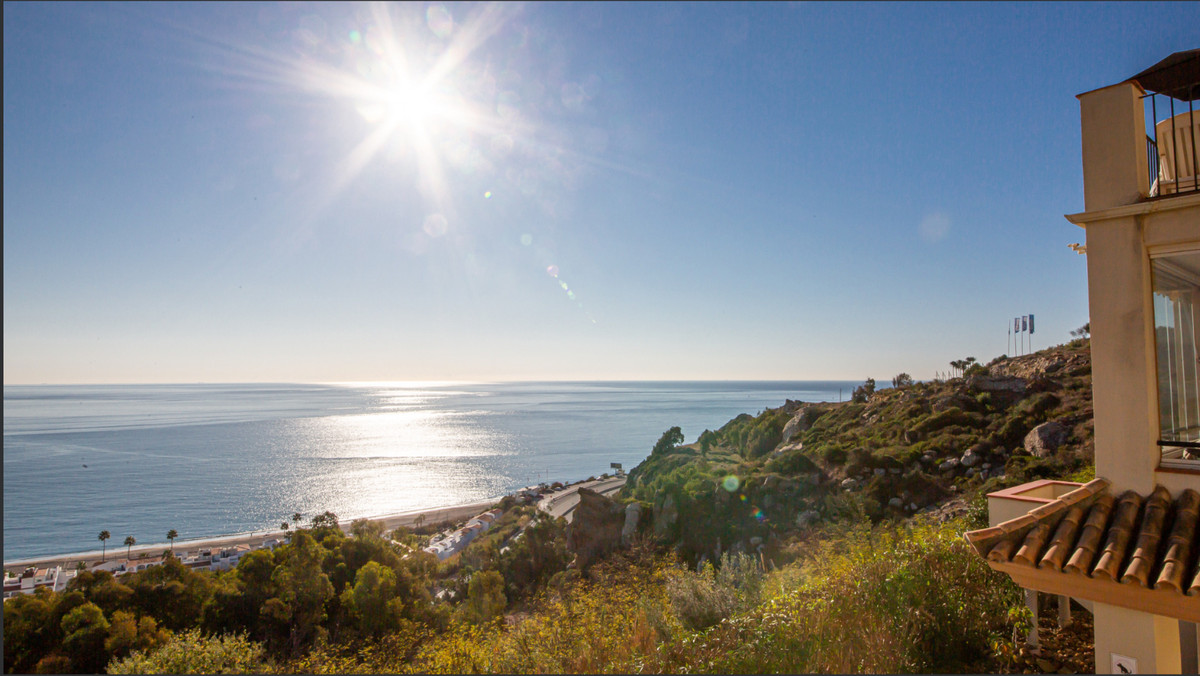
x,y
390,522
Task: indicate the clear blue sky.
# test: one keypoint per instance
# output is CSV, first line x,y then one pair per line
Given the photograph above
x,y
342,192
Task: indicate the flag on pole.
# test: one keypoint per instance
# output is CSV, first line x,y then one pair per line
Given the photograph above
x,y
1024,322
1031,323
1017,324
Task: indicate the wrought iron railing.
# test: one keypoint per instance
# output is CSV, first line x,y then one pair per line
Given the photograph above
x,y
1166,179
1152,163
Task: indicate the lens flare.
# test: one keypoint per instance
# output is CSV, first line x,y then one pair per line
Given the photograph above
x,y
552,270
526,239
487,195
731,483
439,20
758,514
435,225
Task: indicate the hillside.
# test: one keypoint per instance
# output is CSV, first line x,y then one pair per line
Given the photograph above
x,y
928,448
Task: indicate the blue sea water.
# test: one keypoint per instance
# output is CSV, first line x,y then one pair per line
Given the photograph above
x,y
211,460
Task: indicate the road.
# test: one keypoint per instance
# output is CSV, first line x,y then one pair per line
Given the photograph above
x,y
563,503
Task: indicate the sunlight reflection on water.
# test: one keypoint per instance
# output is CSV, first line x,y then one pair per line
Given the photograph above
x,y
216,459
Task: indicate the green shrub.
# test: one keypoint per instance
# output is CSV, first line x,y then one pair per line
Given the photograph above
x,y
1035,407
706,597
946,418
1013,431
834,455
194,653
871,601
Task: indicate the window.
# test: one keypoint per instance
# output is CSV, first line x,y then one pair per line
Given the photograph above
x,y
1176,334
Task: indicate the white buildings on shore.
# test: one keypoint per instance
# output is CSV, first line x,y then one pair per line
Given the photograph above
x,y
56,578
456,541
31,578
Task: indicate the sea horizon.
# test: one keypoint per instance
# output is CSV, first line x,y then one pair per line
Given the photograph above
x,y
213,459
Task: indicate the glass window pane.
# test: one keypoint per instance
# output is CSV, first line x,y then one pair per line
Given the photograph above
x,y
1176,334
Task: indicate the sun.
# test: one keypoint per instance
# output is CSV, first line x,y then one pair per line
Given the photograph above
x,y
419,86
414,105
404,105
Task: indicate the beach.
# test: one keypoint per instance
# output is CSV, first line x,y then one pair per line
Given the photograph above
x,y
559,503
390,522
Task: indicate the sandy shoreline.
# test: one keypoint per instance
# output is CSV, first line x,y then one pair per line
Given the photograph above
x,y
453,513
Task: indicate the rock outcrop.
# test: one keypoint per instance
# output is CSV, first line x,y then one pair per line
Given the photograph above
x,y
633,515
997,384
1044,439
800,422
666,513
596,527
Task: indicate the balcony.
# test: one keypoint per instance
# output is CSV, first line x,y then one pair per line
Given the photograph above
x,y
1171,150
1173,124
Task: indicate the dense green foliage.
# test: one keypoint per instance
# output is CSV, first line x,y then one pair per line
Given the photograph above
x,y
866,599
194,653
322,589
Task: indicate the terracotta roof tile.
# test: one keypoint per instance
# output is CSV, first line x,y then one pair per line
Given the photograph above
x,y
1116,540
985,540
1179,542
1145,549
1089,538
1002,551
1064,537
1032,546
1152,542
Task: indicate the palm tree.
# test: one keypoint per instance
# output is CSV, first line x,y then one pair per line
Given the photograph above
x,y
296,516
104,535
284,526
129,543
171,535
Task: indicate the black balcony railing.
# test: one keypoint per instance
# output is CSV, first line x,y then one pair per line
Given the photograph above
x,y
1171,147
1152,163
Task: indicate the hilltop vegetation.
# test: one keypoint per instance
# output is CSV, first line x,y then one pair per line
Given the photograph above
x,y
887,455
813,537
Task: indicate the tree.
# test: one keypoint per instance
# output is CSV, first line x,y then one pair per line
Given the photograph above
x,y
104,535
127,634
1084,331
285,526
863,392
485,596
171,535
902,380
373,601
296,517
84,630
326,519
668,441
302,590
129,543
362,528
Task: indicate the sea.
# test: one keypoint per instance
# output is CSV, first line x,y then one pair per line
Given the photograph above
x,y
209,460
